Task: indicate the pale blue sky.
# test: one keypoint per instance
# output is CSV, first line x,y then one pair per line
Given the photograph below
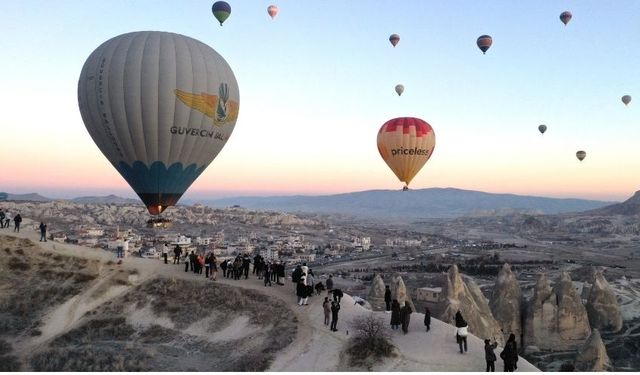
x,y
317,83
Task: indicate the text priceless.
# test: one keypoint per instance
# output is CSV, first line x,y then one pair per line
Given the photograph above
x,y
409,151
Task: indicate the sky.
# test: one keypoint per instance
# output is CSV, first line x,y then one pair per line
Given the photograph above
x,y
317,83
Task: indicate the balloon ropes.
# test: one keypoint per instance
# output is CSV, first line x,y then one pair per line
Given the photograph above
x,y
160,106
406,144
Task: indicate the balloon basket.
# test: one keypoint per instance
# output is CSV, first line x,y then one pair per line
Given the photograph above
x,y
159,222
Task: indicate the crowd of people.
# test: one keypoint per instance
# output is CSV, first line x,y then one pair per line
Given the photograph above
x,y
5,220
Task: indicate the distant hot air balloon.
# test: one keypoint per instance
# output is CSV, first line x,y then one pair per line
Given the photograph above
x,y
542,128
394,39
273,11
405,144
565,17
626,99
160,106
581,155
399,89
484,42
221,10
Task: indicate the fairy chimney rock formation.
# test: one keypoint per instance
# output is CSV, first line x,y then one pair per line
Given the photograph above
x,y
556,318
593,355
468,298
602,306
399,292
505,303
376,294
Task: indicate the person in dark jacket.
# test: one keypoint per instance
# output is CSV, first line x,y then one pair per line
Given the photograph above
x,y
266,270
461,332
223,267
427,318
301,291
329,284
405,317
335,308
192,261
387,297
395,314
510,354
337,295
177,252
246,264
16,221
43,232
489,355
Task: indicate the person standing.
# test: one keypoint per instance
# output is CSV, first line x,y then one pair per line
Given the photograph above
x,y
7,220
489,355
165,253
280,272
177,252
326,306
335,308
214,267
427,318
246,264
223,266
192,261
16,223
1,218
387,298
461,332
186,262
510,354
301,292
405,317
266,270
207,265
395,314
330,284
43,232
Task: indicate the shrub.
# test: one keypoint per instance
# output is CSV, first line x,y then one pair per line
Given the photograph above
x,y
370,343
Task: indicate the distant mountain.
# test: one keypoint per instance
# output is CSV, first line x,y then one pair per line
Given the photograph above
x,y
33,197
413,204
109,199
629,207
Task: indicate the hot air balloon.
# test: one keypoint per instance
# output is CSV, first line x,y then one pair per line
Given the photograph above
x,y
399,89
626,99
273,11
484,42
581,155
394,39
160,106
542,128
405,144
221,10
565,17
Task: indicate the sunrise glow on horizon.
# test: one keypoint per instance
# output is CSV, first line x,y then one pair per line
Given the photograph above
x,y
316,85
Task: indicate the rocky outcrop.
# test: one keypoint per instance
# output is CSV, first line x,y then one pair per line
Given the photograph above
x,y
602,306
468,298
556,318
399,292
376,294
505,303
593,355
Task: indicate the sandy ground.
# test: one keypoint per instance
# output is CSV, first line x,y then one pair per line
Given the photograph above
x,y
314,349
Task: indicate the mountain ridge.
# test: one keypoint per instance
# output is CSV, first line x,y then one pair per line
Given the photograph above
x,y
413,204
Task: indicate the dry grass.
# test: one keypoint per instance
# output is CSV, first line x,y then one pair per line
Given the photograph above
x,y
7,362
99,340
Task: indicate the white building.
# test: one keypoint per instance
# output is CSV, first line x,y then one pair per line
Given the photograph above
x,y
203,241
428,294
269,254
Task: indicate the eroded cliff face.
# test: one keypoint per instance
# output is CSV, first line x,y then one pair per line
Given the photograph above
x,y
592,356
602,306
468,298
506,302
376,294
556,318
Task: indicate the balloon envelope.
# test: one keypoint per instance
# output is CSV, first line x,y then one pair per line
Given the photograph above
x,y
565,17
399,89
221,11
542,128
484,42
160,106
581,155
626,99
394,39
273,11
406,144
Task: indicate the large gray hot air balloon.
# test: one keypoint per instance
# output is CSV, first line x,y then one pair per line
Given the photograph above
x,y
160,106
